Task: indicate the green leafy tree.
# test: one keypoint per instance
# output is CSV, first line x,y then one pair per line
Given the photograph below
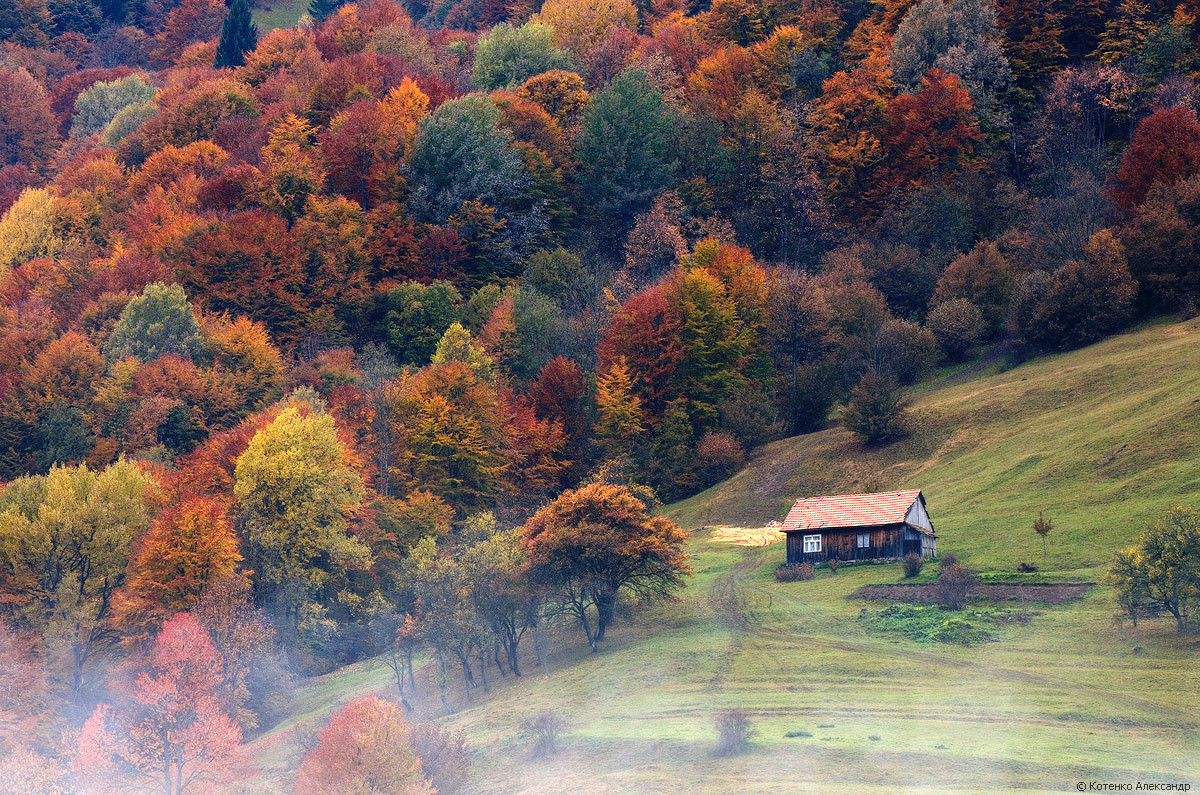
x,y
413,317
294,493
462,163
445,613
505,600
65,544
127,120
1163,569
158,322
624,150
456,346
508,56
100,104
716,342
239,35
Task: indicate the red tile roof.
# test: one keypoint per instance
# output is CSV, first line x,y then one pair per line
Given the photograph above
x,y
850,510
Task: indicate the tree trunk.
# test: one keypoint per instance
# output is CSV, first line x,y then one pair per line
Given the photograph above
x,y
587,629
605,606
468,679
496,657
513,661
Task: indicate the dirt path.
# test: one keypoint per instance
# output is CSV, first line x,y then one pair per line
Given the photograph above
x,y
746,536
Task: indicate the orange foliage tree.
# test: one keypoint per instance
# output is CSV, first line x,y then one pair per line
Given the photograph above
x,y
190,546
365,747
596,540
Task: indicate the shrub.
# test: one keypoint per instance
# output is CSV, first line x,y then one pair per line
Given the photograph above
x,y
794,572
963,633
545,728
982,276
718,455
903,349
1087,299
445,758
734,731
913,563
954,585
876,411
367,740
834,564
948,559
957,325
1027,568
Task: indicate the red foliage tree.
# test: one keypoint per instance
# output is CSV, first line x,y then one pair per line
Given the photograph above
x,y
28,130
646,333
558,393
1165,148
929,133
250,266
170,734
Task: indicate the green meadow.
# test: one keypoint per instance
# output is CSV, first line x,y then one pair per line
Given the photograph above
x,y
1101,440
271,14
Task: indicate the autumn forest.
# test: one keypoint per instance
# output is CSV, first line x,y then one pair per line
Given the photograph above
x,y
390,332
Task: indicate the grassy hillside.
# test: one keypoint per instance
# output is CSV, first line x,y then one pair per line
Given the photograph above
x,y
271,14
1100,439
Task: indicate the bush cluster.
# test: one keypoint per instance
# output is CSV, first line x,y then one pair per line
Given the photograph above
x,y
794,572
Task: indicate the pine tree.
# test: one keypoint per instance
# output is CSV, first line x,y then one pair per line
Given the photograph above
x,y
320,10
238,36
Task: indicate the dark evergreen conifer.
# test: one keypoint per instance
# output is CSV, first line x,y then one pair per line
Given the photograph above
x,y
238,36
320,10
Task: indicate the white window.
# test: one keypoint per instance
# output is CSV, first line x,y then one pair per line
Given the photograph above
x,y
812,543
864,540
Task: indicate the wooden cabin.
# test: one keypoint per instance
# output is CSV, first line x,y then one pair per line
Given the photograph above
x,y
849,527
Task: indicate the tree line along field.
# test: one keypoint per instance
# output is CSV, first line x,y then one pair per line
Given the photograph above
x,y
1067,696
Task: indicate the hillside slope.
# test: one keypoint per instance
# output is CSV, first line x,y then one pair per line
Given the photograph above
x,y
1101,439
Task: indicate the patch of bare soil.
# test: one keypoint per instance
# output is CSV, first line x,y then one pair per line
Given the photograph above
x,y
747,536
1051,593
